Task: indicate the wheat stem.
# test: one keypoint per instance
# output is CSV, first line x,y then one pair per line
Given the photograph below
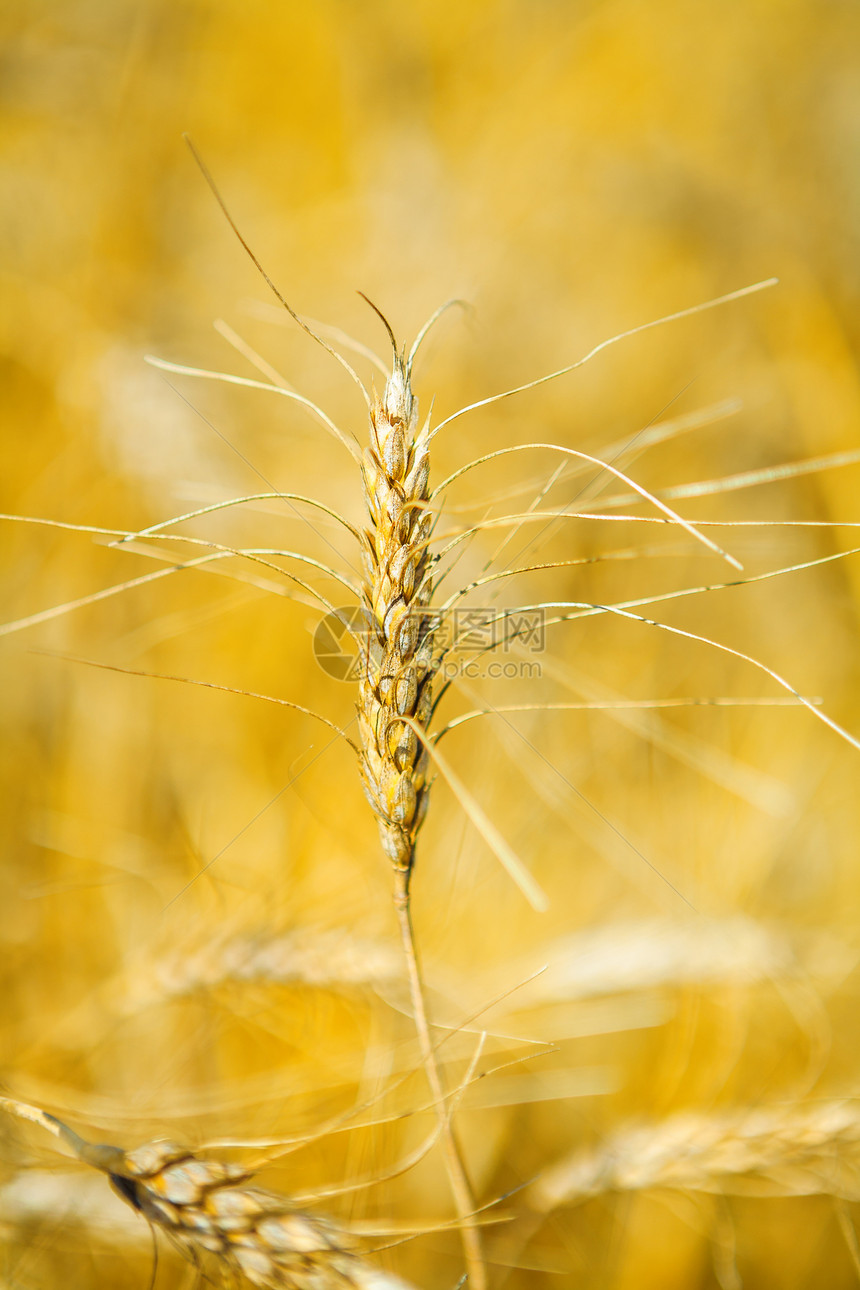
x,y
395,699
460,1187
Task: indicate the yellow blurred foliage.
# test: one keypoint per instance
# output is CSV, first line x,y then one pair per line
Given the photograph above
x,y
195,917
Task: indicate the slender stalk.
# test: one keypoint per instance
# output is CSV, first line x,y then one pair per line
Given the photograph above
x,y
395,699
460,1186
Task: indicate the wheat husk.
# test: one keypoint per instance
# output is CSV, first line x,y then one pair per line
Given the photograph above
x,y
396,687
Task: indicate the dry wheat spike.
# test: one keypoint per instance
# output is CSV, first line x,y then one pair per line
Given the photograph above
x,y
396,653
206,1208
799,1149
396,686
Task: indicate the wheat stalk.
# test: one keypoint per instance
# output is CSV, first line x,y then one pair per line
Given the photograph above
x,y
396,690
207,1208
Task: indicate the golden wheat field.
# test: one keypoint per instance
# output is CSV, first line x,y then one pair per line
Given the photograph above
x,y
629,1059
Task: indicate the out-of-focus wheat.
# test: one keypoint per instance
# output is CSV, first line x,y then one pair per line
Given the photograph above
x,y
665,953
207,1208
795,1150
335,959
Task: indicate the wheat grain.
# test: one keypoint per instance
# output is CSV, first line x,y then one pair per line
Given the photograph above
x,y
397,671
396,689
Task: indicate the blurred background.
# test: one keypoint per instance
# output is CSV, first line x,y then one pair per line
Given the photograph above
x,y
196,926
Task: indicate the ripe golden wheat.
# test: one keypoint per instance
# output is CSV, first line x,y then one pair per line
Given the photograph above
x,y
207,1208
799,1149
396,685
396,690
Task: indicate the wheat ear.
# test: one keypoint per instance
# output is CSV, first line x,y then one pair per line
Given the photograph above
x,y
206,1207
797,1149
397,666
396,692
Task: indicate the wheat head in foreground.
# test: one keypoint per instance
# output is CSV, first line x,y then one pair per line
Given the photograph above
x,y
395,694
206,1208
397,648
396,689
